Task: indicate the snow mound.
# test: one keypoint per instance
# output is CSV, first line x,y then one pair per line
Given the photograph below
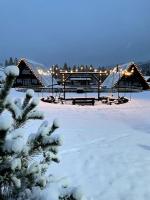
x,y
30,93
12,70
5,122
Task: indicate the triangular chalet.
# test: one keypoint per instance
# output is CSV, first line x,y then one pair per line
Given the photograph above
x,y
33,74
126,76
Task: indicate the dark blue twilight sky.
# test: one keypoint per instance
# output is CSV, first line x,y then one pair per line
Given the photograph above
x,y
100,32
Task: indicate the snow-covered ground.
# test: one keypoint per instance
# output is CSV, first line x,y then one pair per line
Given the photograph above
x,y
106,149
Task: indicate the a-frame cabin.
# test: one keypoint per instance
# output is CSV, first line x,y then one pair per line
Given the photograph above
x,y
33,74
126,77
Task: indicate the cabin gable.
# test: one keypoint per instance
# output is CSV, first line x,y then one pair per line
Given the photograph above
x,y
126,76
26,77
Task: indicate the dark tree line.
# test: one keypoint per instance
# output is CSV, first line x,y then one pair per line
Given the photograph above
x,y
145,69
11,61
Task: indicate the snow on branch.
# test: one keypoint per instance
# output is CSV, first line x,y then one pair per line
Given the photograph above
x,y
21,177
11,73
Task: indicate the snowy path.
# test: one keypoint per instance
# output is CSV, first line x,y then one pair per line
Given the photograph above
x,y
106,149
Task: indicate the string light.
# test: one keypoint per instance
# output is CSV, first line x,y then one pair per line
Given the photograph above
x,y
126,73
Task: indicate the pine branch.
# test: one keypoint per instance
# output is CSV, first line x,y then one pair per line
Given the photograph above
x,y
35,115
11,74
30,107
28,97
14,109
18,103
43,140
19,178
4,127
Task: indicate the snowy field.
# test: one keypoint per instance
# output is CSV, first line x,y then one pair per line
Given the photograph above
x,y
106,149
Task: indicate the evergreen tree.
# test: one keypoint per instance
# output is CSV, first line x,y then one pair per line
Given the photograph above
x,y
65,67
6,63
11,62
15,61
74,68
21,179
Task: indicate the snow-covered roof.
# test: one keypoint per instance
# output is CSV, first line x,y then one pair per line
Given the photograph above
x,y
115,75
147,78
40,71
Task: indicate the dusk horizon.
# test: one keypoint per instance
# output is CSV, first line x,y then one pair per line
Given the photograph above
x,y
101,33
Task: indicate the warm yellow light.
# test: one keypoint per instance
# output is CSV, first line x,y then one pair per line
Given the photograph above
x,y
40,71
126,73
95,70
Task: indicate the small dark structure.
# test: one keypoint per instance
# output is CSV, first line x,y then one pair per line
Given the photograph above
x,y
111,100
126,77
33,75
83,101
81,80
